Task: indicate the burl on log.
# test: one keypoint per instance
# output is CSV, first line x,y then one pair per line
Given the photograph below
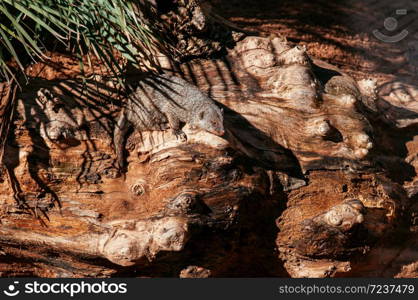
x,y
293,187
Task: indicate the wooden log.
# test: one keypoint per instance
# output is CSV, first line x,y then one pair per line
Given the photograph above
x,y
292,151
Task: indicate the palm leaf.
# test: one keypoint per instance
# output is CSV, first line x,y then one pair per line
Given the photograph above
x,y
102,28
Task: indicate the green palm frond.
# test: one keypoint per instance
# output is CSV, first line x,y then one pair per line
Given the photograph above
x,y
90,27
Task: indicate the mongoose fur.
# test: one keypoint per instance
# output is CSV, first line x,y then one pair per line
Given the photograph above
x,y
165,101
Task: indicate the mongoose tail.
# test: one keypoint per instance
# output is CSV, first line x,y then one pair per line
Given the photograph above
x,y
119,138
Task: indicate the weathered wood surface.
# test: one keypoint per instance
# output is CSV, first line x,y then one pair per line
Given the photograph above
x,y
292,153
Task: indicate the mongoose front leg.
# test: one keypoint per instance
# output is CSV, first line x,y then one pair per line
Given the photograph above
x,y
175,127
119,138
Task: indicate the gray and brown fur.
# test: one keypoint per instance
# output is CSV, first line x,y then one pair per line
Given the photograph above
x,y
162,102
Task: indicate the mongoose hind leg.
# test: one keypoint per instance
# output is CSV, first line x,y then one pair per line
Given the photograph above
x,y
175,128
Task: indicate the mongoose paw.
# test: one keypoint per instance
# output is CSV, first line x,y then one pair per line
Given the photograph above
x,y
120,170
120,174
180,135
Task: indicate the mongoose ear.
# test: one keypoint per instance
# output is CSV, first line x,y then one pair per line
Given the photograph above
x,y
201,115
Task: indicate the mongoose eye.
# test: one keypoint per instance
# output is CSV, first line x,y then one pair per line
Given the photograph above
x,y
201,115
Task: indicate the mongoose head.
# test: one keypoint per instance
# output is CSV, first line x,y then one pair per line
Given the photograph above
x,y
211,120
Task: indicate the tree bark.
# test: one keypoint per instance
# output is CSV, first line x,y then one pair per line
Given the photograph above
x,y
296,186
